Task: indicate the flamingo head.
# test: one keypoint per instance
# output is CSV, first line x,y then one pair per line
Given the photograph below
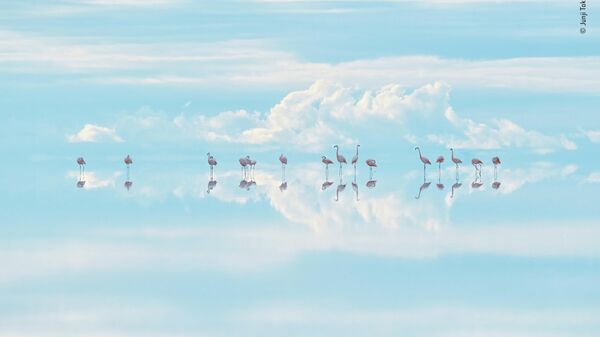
x,y
335,146
357,145
416,147
208,154
323,157
247,157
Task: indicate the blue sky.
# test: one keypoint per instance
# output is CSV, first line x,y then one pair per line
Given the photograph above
x,y
169,81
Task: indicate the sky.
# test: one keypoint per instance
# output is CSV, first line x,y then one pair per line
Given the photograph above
x,y
168,247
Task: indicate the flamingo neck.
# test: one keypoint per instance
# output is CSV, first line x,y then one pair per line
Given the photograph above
x,y
420,156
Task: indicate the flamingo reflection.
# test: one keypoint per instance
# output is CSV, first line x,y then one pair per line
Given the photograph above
x,y
371,184
326,185
455,186
354,185
423,187
341,187
211,184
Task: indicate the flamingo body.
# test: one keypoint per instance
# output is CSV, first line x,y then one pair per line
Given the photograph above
x,y
326,161
371,162
283,159
128,161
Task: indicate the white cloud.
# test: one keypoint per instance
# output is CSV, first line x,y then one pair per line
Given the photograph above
x,y
93,181
503,133
329,112
592,135
593,177
255,63
95,133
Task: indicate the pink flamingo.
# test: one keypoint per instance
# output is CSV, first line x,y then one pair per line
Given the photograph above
x,y
439,161
371,163
326,161
476,162
244,162
211,161
341,159
424,160
454,159
128,161
496,162
355,158
283,160
81,162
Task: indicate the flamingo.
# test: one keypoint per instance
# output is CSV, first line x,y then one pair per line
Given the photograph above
x,y
355,158
456,161
81,162
341,159
283,160
496,162
439,161
475,162
371,183
128,184
128,161
327,162
424,160
211,161
244,163
371,163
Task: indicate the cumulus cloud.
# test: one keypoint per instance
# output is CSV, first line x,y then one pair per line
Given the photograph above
x,y
94,133
329,112
502,133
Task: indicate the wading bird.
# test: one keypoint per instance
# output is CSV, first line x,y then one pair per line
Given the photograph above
x,y
355,158
424,160
371,163
211,161
341,159
244,163
81,162
496,162
477,163
283,160
454,159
